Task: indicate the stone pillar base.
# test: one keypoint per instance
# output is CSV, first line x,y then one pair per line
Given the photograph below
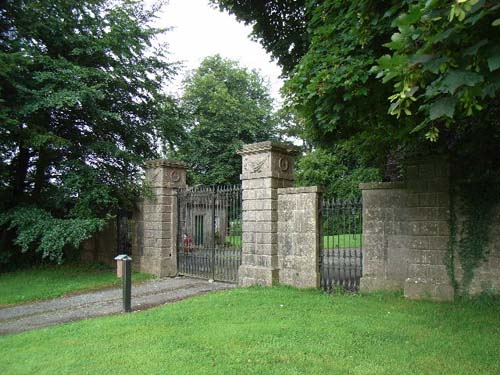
x,y
433,290
254,275
373,284
161,267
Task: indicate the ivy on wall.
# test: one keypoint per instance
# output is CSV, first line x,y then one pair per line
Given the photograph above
x,y
472,206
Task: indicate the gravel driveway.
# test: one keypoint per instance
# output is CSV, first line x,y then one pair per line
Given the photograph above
x,y
155,292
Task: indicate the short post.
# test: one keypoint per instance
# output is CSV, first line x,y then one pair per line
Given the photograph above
x,y
126,267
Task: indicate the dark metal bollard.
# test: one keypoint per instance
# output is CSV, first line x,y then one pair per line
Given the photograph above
x,y
126,266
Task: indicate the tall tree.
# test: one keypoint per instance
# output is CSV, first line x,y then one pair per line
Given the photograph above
x,y
380,70
280,26
226,106
81,88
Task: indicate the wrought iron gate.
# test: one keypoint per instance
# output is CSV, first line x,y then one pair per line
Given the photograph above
x,y
341,251
209,232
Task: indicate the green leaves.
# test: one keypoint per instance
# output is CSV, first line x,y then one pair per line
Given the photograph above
x,y
38,229
225,106
444,107
339,170
445,48
457,78
494,59
82,105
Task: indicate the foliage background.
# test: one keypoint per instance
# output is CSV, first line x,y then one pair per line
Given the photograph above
x,y
81,106
225,107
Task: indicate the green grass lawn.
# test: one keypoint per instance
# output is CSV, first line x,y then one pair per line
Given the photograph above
x,y
233,240
342,241
54,281
269,331
338,241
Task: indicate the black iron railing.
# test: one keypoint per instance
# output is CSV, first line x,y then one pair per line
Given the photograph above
x,y
209,232
341,248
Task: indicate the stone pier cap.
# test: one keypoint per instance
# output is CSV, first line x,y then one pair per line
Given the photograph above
x,y
162,173
256,148
149,164
268,160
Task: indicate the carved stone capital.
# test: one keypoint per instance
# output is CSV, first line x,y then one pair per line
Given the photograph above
x,y
165,173
268,159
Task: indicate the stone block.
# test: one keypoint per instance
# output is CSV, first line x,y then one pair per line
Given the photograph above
x,y
266,238
427,199
426,170
248,248
412,200
429,272
300,278
260,205
373,284
418,186
417,288
443,228
397,264
424,228
421,213
397,242
266,249
439,242
373,227
261,226
441,184
417,242
253,275
252,194
165,173
373,244
443,199
248,237
384,198
428,257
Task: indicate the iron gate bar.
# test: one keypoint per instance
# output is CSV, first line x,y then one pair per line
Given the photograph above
x,y
341,247
209,225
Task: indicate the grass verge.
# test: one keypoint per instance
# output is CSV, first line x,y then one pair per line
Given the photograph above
x,y
269,331
342,241
55,281
337,241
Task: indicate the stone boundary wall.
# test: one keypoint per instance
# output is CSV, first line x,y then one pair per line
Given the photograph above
x,y
299,236
487,275
406,235
385,263
101,247
405,227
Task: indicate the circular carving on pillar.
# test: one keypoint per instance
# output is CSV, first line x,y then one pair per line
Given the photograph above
x,y
175,176
283,164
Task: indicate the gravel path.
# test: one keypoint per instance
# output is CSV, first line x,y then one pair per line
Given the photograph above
x,y
155,292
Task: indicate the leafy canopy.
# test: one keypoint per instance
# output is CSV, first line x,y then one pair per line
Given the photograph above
x,y
80,98
376,70
226,106
338,170
444,61
279,25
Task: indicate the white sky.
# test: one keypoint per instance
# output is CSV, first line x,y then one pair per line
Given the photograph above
x,y
198,30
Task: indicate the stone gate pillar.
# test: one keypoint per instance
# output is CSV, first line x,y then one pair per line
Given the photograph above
x,y
159,252
266,167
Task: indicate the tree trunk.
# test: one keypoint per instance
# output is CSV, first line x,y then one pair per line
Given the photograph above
x,y
20,166
40,174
